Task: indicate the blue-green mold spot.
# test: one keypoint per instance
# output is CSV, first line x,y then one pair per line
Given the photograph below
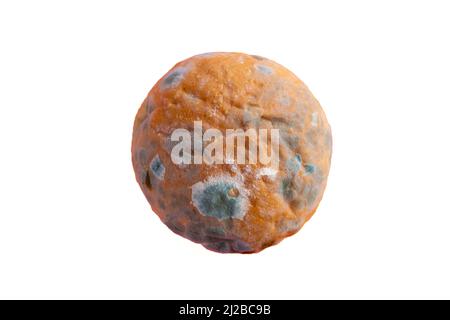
x,y
294,164
264,69
287,189
174,78
220,197
310,168
142,157
157,167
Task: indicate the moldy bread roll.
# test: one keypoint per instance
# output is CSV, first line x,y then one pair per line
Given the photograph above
x,y
231,206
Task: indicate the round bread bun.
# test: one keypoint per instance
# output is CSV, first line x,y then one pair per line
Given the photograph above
x,y
231,207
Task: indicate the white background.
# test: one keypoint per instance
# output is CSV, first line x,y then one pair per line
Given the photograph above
x,y
74,223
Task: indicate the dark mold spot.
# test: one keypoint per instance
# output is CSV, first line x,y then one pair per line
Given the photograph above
x,y
195,232
174,78
222,247
157,167
150,105
171,78
147,181
241,246
310,168
215,232
142,156
161,204
287,189
290,188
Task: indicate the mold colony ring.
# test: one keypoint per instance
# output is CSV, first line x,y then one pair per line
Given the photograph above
x,y
231,206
